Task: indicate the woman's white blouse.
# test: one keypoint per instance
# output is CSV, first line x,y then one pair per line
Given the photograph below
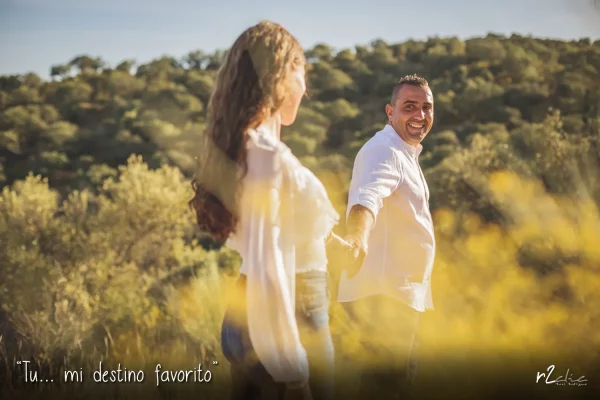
x,y
285,215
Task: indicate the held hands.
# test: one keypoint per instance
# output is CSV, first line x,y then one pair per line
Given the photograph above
x,y
336,244
349,252
360,222
358,252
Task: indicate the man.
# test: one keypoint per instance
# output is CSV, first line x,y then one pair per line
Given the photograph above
x,y
391,231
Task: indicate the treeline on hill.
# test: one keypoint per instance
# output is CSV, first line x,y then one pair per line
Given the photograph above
x,y
88,248
492,92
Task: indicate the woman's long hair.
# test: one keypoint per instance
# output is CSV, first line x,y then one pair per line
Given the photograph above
x,y
250,88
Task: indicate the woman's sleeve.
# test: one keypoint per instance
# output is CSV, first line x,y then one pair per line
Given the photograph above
x,y
271,275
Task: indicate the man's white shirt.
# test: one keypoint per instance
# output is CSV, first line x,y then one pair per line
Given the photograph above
x,y
387,179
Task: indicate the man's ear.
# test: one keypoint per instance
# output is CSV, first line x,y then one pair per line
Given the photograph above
x,y
389,109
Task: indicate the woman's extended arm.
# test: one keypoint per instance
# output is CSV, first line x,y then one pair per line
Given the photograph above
x,y
271,274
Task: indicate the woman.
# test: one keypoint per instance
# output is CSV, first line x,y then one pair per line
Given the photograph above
x,y
254,194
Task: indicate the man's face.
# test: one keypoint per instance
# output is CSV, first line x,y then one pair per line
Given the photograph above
x,y
412,114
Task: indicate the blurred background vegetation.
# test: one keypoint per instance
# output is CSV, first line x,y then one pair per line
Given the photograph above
x,y
100,258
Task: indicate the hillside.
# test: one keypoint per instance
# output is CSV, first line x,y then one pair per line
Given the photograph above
x,y
82,125
100,258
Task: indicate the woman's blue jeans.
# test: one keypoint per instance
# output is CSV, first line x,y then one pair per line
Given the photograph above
x,y
250,380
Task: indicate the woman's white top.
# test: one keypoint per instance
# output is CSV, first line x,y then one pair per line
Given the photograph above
x,y
284,218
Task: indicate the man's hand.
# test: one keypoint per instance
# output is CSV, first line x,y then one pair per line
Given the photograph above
x,y
358,252
360,222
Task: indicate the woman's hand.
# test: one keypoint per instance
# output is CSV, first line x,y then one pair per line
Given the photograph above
x,y
339,253
336,243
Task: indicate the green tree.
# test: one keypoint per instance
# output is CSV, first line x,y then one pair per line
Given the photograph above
x,y
85,63
61,71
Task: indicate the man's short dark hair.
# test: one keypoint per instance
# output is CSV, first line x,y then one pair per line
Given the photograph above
x,y
413,80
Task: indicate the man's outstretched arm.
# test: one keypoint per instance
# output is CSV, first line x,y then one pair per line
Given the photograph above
x,y
375,176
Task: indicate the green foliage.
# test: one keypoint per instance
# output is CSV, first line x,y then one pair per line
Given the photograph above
x,y
99,261
489,50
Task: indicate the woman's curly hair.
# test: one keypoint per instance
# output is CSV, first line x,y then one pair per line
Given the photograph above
x,y
250,87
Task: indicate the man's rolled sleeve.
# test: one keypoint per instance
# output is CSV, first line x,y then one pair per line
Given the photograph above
x,y
375,176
